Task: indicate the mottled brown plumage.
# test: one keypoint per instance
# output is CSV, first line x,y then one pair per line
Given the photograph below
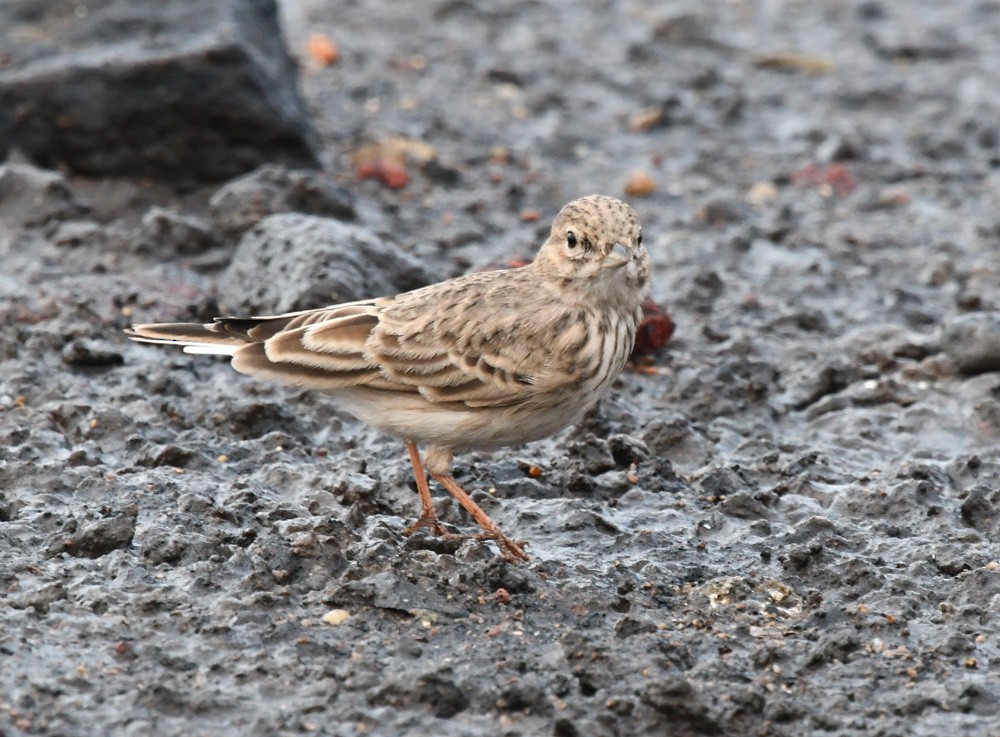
x,y
482,361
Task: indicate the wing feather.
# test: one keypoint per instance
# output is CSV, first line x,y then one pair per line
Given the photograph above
x,y
252,359
289,347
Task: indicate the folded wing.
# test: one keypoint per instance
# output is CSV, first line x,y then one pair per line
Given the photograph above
x,y
437,342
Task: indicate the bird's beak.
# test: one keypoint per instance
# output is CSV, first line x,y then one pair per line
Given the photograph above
x,y
616,257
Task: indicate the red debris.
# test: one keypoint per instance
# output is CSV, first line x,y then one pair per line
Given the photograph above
x,y
654,331
387,160
837,176
390,173
322,49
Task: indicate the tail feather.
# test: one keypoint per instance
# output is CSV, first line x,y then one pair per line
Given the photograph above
x,y
191,336
273,346
231,332
181,333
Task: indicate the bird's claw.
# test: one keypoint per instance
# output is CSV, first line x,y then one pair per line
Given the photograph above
x,y
429,521
511,550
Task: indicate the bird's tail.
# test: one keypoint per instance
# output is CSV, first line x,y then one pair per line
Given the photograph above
x,y
225,335
191,336
221,337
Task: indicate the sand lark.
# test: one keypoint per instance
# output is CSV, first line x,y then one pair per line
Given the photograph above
x,y
483,361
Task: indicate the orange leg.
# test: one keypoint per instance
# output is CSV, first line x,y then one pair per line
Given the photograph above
x,y
511,551
428,518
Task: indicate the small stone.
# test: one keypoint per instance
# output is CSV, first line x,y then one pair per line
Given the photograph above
x,y
762,193
722,211
84,352
973,342
166,231
639,184
336,616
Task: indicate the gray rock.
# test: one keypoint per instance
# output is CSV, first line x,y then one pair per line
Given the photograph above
x,y
272,189
99,537
294,262
168,232
31,196
915,42
973,342
182,90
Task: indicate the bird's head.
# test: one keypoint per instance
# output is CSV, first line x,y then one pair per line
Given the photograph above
x,y
596,246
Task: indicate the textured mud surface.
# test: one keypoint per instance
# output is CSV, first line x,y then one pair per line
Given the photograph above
x,y
807,543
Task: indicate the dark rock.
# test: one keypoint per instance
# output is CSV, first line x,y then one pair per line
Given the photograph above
x,y
78,233
626,449
662,435
593,454
442,695
836,645
294,262
177,546
675,699
526,694
273,189
988,412
100,537
442,174
183,90
980,699
167,455
167,232
973,342
723,482
91,353
950,560
564,728
629,626
387,590
914,43
743,506
688,29
722,211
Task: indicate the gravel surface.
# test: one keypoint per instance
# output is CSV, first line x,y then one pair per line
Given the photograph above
x,y
785,525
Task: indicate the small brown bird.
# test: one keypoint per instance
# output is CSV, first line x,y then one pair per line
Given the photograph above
x,y
482,361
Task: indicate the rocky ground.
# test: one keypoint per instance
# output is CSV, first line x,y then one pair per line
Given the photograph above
x,y
786,524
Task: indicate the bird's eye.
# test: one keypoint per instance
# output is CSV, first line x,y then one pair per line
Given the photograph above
x,y
639,240
571,239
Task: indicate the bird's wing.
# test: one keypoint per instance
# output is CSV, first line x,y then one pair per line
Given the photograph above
x,y
474,341
468,341
280,347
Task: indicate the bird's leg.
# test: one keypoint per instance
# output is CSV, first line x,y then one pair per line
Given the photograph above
x,y
428,518
510,550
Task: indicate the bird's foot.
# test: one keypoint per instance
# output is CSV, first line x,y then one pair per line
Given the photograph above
x,y
428,519
511,550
